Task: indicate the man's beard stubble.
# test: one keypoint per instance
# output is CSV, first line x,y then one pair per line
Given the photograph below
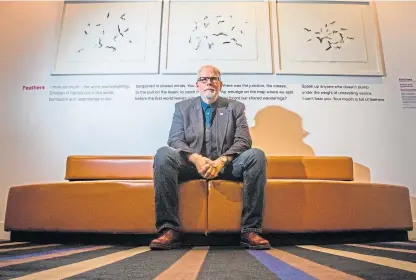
x,y
209,95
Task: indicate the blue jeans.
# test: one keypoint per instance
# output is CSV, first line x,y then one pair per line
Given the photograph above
x,y
171,168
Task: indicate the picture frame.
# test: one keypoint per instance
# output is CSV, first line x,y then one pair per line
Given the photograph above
x,y
121,37
234,36
327,38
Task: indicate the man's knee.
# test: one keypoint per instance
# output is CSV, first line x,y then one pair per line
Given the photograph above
x,y
165,155
257,155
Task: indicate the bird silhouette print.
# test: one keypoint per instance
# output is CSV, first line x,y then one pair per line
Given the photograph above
x,y
214,31
331,37
109,34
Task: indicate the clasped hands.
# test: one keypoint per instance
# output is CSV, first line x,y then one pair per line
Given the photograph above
x,y
209,169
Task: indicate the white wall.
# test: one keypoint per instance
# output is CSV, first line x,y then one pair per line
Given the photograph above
x,y
37,135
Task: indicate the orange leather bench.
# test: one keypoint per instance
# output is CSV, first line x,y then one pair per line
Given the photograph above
x,y
114,194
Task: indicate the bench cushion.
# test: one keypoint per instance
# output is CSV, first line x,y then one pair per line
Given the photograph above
x,y
100,206
141,167
109,168
310,167
312,206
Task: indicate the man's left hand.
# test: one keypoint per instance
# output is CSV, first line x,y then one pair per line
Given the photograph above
x,y
214,169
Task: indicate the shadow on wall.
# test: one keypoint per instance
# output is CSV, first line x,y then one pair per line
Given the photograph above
x,y
279,132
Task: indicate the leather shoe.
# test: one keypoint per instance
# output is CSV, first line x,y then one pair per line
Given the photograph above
x,y
253,241
167,240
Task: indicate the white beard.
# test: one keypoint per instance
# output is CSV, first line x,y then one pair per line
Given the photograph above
x,y
210,94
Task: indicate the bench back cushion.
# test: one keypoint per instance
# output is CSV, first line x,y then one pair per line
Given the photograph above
x,y
91,167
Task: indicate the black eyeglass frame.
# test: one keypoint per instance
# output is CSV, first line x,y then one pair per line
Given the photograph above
x,y
212,79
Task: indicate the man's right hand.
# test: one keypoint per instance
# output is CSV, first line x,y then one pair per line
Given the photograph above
x,y
201,163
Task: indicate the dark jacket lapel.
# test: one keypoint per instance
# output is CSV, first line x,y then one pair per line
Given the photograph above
x,y
222,116
197,120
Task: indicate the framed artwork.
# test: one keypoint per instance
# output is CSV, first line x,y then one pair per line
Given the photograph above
x,y
109,38
328,38
234,36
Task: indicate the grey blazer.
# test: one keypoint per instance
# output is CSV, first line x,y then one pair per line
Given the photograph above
x,y
187,129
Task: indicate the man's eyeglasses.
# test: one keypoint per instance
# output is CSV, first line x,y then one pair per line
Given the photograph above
x,y
204,80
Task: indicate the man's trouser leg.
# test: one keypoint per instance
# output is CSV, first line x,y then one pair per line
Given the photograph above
x,y
250,167
169,169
